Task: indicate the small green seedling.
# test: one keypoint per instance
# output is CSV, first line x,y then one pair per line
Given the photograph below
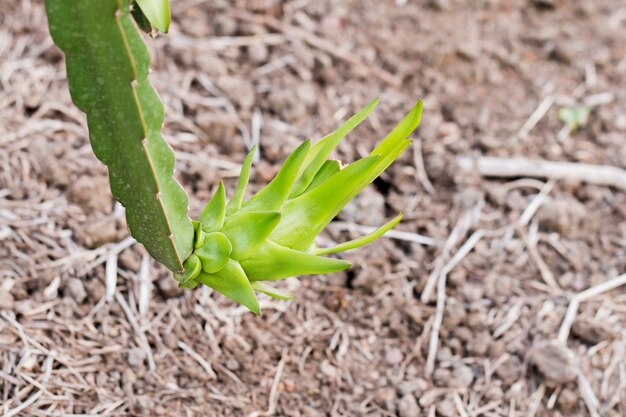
x,y
574,117
236,244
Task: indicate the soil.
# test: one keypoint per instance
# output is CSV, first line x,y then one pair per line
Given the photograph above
x,y
355,343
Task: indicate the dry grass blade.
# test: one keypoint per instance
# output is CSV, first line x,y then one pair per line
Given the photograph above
x,y
196,356
572,309
441,297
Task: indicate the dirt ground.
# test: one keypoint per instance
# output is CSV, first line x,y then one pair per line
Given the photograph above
x,y
470,323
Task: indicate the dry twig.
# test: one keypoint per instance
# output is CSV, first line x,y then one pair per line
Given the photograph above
x,y
490,166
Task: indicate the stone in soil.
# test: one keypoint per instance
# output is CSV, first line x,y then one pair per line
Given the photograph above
x,y
446,407
462,376
386,397
555,362
91,193
239,90
407,406
479,345
168,287
510,370
136,356
97,231
6,300
591,331
394,356
567,400
76,289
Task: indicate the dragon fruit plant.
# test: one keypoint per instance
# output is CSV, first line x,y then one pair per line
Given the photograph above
x,y
236,245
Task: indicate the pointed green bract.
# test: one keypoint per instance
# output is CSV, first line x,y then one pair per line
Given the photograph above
x,y
193,266
271,291
304,217
107,69
249,229
200,235
235,202
191,283
401,131
274,194
157,12
215,252
142,21
234,284
322,149
272,262
330,168
363,240
213,214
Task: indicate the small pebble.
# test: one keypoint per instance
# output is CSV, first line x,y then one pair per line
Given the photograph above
x,y
463,334
439,5
386,397
479,345
567,400
457,278
472,292
128,376
170,340
407,406
258,53
442,377
327,369
239,90
454,315
142,405
414,386
592,331
462,376
95,289
224,25
232,365
6,300
168,287
394,356
130,259
509,371
554,361
494,393
76,289
446,407
136,356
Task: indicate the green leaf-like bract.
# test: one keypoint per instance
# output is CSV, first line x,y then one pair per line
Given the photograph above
x,y
157,12
107,70
272,234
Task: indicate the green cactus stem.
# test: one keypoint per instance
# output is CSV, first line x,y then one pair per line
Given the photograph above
x,y
107,69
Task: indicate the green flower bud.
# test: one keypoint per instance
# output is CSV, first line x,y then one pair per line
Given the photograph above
x,y
239,244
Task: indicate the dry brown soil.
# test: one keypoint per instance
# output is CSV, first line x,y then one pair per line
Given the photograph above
x,y
355,343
